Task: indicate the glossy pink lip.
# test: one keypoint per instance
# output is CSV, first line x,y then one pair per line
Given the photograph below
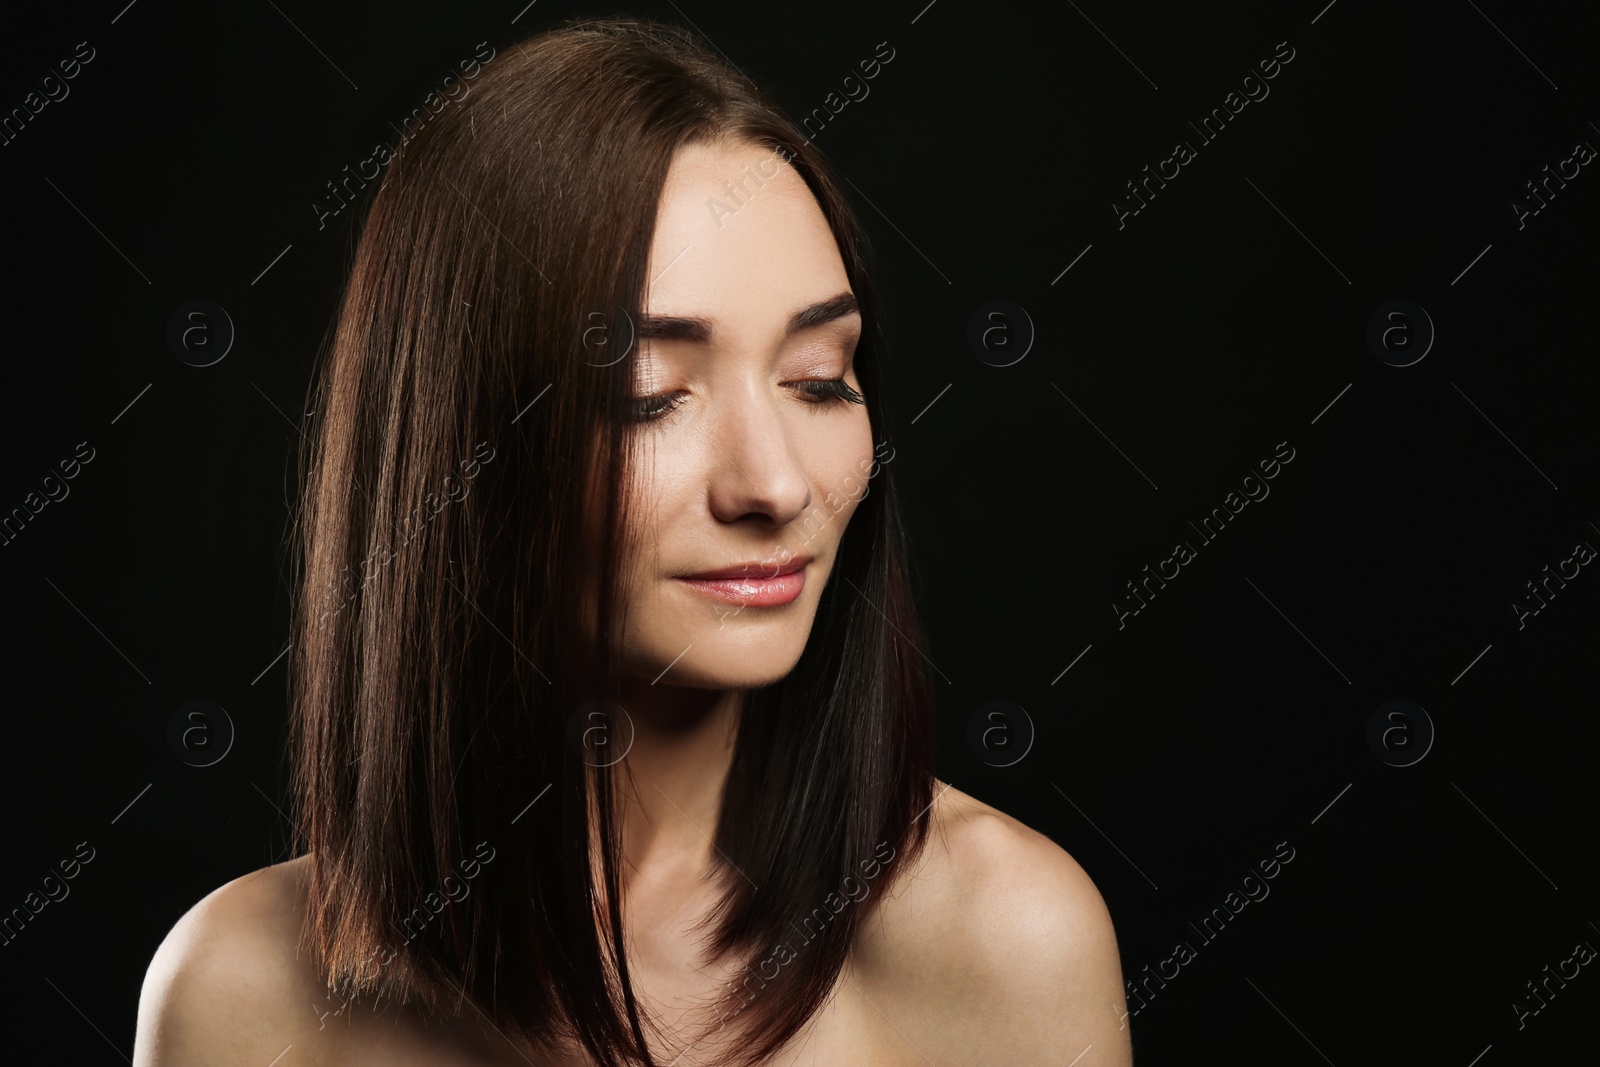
x,y
753,584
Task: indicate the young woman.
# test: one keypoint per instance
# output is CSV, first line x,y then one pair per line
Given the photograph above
x,y
611,735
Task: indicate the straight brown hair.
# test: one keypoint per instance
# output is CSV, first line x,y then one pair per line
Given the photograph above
x,y
440,669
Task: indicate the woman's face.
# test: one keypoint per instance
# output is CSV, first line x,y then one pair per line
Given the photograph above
x,y
753,449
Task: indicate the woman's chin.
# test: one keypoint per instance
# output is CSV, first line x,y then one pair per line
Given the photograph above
x,y
743,654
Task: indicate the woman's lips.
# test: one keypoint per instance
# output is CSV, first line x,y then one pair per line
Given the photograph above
x,y
751,592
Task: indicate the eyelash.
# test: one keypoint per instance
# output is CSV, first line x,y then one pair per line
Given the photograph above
x,y
822,393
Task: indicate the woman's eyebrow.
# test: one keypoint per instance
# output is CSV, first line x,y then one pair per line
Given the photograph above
x,y
699,330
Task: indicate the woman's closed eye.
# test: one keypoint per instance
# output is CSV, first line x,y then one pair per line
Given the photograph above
x,y
816,391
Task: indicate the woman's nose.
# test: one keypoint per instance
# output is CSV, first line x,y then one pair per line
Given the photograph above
x,y
753,464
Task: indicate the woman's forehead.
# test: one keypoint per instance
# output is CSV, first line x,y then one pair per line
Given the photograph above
x,y
740,247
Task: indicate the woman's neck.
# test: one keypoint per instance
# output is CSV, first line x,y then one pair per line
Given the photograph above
x,y
671,780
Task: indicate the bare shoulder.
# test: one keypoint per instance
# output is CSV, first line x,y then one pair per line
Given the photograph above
x,y
995,945
226,985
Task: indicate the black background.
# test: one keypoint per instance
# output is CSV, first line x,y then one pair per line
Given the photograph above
x,y
1228,316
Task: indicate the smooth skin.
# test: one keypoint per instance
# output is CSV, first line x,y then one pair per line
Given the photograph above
x,y
994,947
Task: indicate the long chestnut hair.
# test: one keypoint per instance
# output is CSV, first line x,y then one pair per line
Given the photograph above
x,y
463,846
